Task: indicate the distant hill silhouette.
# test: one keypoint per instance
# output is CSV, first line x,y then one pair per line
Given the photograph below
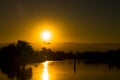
x,y
74,47
81,47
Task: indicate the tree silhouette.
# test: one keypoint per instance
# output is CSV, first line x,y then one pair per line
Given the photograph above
x,y
16,53
24,48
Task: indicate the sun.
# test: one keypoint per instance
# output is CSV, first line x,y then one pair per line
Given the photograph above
x,y
46,36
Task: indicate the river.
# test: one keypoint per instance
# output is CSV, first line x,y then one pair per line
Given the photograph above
x,y
64,70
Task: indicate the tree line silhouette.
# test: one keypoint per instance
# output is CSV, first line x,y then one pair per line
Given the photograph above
x,y
22,52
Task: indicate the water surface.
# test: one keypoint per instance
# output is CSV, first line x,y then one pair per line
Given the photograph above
x,y
64,70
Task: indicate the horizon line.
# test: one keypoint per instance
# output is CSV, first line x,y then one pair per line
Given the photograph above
x,y
68,42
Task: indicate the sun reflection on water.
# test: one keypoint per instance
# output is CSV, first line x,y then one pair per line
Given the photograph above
x,y
45,75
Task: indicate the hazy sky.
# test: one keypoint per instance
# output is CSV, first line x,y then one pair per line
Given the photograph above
x,y
88,21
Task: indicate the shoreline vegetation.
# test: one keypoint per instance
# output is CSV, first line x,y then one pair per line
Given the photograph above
x,y
15,57
23,53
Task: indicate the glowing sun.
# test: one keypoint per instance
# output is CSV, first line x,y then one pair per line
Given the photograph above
x,y
46,35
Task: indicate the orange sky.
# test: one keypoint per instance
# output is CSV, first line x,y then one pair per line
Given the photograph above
x,y
69,21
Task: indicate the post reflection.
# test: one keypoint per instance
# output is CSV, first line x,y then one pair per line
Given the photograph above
x,y
45,75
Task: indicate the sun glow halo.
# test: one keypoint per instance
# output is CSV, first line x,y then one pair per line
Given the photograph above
x,y
46,35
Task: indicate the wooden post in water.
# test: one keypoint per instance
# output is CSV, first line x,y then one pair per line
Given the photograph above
x,y
74,64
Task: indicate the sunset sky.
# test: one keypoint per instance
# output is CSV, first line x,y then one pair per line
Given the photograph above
x,y
83,21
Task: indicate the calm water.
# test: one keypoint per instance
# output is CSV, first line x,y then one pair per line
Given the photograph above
x,y
64,70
